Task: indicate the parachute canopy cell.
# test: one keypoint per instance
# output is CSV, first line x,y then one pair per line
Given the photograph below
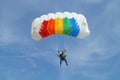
x,y
71,24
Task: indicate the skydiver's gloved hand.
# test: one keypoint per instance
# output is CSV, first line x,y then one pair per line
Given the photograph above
x,y
58,54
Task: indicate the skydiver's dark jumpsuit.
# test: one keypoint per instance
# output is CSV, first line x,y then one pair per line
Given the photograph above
x,y
62,57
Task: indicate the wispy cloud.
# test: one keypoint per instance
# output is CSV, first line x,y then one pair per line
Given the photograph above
x,y
93,1
91,60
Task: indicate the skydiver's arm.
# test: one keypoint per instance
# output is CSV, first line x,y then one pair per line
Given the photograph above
x,y
58,51
65,50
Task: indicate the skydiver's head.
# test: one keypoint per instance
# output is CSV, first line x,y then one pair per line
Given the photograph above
x,y
60,52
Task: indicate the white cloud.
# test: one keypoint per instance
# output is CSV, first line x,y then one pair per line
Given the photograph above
x,y
90,61
7,35
116,30
112,8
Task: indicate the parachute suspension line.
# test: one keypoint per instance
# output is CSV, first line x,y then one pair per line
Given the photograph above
x,y
57,42
65,47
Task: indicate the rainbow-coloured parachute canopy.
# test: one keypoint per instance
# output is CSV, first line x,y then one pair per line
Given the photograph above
x,y
71,24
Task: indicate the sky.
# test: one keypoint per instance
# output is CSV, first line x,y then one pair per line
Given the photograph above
x,y
97,57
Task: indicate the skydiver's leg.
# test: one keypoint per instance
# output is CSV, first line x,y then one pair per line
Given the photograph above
x,y
60,62
66,62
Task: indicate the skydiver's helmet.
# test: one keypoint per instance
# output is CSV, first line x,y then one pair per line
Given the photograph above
x,y
60,52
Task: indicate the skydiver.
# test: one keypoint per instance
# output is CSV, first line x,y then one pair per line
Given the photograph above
x,y
62,56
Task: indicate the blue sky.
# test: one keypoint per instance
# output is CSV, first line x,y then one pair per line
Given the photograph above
x,y
97,57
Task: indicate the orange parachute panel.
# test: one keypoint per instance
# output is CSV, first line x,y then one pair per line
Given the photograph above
x,y
51,26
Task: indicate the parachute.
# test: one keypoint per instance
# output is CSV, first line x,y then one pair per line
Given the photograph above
x,y
71,24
